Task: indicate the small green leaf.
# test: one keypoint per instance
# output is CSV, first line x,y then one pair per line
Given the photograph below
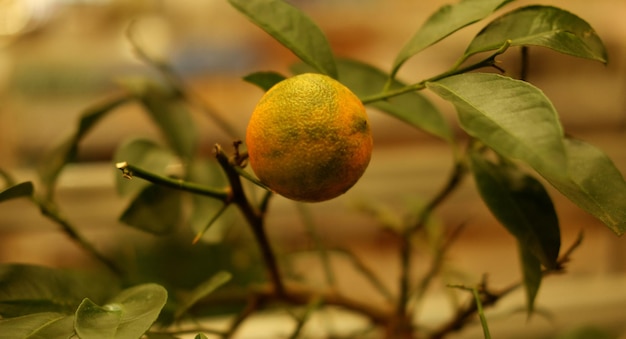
x,y
26,289
201,336
157,209
544,26
522,205
292,28
203,290
23,189
445,21
594,184
531,272
142,153
67,151
413,108
95,322
264,80
45,325
129,315
510,116
169,112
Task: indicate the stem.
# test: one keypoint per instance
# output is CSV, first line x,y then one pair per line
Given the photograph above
x,y
129,171
488,62
254,217
524,63
481,313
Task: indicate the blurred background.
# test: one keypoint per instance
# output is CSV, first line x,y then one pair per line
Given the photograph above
x,y
58,57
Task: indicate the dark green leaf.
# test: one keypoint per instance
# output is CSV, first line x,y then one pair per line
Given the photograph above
x,y
26,289
522,205
168,110
157,209
545,26
145,154
23,189
413,108
264,80
594,183
203,290
67,151
445,21
45,325
531,272
292,28
510,116
129,315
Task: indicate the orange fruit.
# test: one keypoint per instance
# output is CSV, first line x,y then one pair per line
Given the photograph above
x,y
309,138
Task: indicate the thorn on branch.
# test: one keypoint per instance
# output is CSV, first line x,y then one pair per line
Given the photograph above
x,y
126,172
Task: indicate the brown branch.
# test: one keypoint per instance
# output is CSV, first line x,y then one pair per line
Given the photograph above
x,y
254,217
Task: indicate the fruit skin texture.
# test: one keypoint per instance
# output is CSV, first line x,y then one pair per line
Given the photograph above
x,y
309,138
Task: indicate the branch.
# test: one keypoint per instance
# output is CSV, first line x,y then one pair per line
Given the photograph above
x,y
489,298
255,217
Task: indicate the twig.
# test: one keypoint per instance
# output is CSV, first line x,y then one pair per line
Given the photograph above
x,y
489,298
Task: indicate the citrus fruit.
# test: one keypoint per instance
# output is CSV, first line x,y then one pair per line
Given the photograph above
x,y
309,138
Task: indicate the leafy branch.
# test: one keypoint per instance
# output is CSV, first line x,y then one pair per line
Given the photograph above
x,y
490,61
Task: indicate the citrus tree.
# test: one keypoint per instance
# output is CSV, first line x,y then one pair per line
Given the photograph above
x,y
309,140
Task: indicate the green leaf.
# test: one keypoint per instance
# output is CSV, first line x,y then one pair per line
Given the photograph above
x,y
594,184
129,315
413,108
23,189
522,205
145,154
264,80
67,151
95,322
510,116
157,209
45,325
26,289
445,21
202,291
292,28
201,336
168,110
544,26
531,273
